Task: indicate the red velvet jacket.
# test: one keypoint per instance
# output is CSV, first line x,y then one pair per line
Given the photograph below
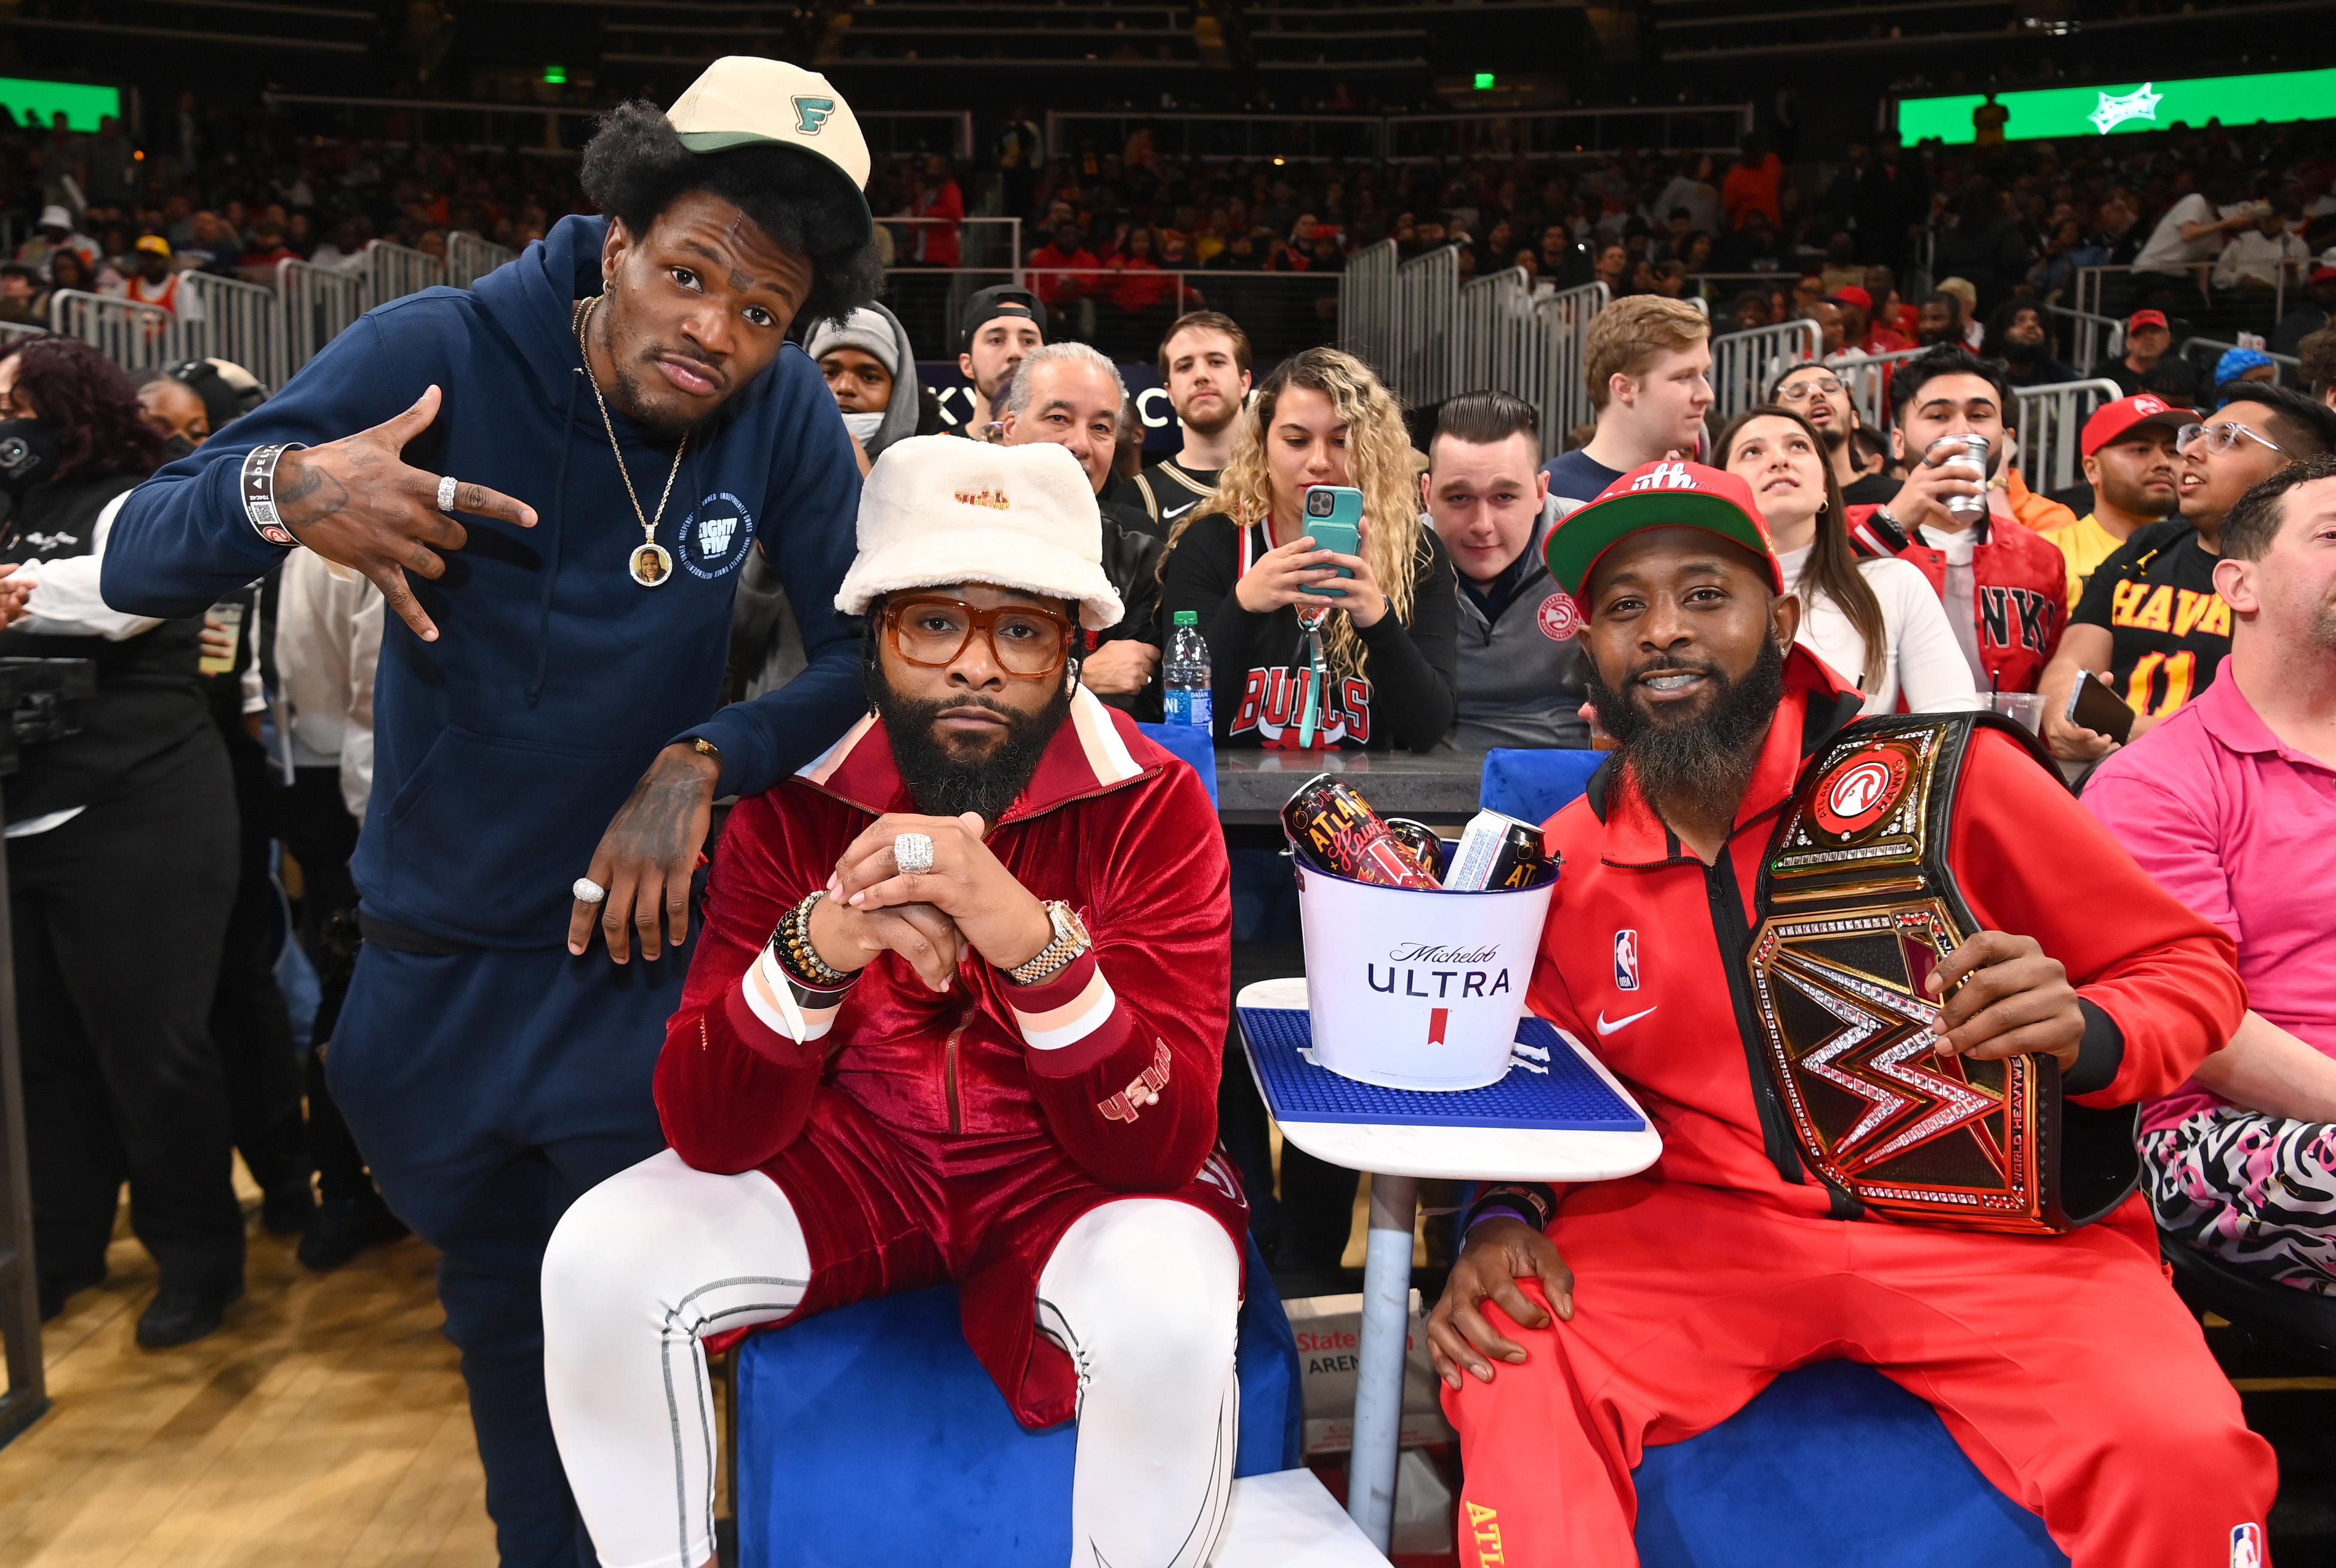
x,y
1109,823
1643,957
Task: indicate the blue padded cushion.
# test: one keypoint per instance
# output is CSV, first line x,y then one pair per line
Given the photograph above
x,y
1533,785
1192,744
1833,1466
870,1435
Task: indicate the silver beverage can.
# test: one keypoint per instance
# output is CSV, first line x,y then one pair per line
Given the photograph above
x,y
1973,454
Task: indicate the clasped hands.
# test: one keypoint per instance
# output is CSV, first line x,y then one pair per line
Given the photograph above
x,y
969,901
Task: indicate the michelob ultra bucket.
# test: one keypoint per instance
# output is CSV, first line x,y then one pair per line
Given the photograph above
x,y
1416,989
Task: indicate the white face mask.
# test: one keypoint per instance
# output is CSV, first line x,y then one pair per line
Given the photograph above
x,y
863,426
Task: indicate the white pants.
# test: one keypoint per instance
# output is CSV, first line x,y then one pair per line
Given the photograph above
x,y
1143,1292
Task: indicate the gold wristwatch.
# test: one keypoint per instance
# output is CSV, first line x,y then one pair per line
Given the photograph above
x,y
1071,939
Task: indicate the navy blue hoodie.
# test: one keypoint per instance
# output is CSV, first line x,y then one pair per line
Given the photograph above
x,y
503,749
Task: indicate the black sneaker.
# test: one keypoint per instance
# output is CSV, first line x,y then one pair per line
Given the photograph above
x,y
180,1316
341,1228
286,1208
54,1293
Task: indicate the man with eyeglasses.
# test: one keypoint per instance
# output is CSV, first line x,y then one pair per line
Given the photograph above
x,y
2131,465
2151,623
1824,401
952,1019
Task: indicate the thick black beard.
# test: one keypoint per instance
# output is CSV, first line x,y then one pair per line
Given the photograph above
x,y
1701,760
946,780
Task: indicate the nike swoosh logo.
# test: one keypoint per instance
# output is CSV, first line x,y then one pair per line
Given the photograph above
x,y
1606,1028
1173,512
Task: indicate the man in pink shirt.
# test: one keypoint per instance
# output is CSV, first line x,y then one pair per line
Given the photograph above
x,y
2230,803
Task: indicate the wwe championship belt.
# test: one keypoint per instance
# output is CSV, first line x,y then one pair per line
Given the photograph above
x,y
1857,906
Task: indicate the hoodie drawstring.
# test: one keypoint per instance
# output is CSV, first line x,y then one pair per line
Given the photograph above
x,y
559,537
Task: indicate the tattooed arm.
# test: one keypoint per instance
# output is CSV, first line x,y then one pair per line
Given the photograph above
x,y
183,538
648,856
354,501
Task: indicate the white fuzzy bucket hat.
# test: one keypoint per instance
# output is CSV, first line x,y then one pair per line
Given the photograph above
x,y
939,510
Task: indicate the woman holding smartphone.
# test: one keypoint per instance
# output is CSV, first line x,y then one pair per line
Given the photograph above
x,y
1876,621
1369,666
1367,663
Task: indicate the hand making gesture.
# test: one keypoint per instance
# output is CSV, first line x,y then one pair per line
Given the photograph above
x,y
354,501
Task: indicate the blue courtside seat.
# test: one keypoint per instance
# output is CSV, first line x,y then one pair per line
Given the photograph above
x,y
1531,784
870,1435
1833,1466
1192,744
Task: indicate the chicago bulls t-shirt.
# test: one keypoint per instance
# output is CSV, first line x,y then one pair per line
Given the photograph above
x,y
1260,670
2171,630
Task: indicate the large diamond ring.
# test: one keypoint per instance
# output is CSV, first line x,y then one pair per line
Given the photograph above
x,y
913,853
446,493
587,891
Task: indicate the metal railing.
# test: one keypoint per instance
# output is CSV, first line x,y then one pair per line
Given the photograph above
x,y
1121,312
2207,350
395,271
1367,306
469,257
1866,382
1743,364
1498,342
1537,133
17,331
1564,320
134,336
2049,420
982,242
1427,312
319,303
2095,338
240,322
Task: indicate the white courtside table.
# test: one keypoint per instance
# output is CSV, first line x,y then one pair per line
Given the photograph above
x,y
1397,1156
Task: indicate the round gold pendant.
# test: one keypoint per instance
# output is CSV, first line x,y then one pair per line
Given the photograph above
x,y
651,566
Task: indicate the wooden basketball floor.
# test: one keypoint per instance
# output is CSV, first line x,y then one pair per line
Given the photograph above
x,y
323,1425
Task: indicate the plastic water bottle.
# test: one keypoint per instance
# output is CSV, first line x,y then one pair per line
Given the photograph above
x,y
1184,674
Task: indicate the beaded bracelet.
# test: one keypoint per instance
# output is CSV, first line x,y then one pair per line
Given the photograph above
x,y
791,943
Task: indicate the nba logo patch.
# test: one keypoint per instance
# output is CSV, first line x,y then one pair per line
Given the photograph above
x,y
2246,1546
1626,961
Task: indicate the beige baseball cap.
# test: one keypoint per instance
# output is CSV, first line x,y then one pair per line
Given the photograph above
x,y
743,99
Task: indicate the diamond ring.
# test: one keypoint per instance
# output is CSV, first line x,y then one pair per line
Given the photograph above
x,y
913,853
587,891
446,493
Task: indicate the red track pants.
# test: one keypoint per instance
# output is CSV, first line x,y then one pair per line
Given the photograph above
x,y
2066,1368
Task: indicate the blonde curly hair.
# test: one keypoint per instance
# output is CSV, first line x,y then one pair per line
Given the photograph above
x,y
1379,463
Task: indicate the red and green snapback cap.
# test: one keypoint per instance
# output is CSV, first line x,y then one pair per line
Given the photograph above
x,y
1672,494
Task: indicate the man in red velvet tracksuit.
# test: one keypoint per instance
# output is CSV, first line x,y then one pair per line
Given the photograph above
x,y
2063,1364
957,1017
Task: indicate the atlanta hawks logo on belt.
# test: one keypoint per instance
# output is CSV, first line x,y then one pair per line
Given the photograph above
x,y
1858,792
1559,617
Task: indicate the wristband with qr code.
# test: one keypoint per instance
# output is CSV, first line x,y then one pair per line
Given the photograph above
x,y
259,491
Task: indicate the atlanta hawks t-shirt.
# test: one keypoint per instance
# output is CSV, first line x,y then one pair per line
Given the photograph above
x,y
2171,630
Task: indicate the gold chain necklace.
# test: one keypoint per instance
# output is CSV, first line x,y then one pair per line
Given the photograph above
x,y
652,563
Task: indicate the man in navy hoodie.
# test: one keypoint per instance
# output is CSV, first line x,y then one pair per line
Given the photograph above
x,y
619,420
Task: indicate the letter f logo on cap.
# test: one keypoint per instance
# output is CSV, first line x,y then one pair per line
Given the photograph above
x,y
811,114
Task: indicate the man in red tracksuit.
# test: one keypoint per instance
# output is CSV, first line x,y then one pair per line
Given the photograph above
x,y
957,1015
1995,572
2063,1364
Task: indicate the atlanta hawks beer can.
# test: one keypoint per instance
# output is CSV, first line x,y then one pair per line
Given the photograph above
x,y
1421,841
1496,852
1335,830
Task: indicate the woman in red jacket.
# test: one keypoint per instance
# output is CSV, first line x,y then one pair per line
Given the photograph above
x,y
948,1023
